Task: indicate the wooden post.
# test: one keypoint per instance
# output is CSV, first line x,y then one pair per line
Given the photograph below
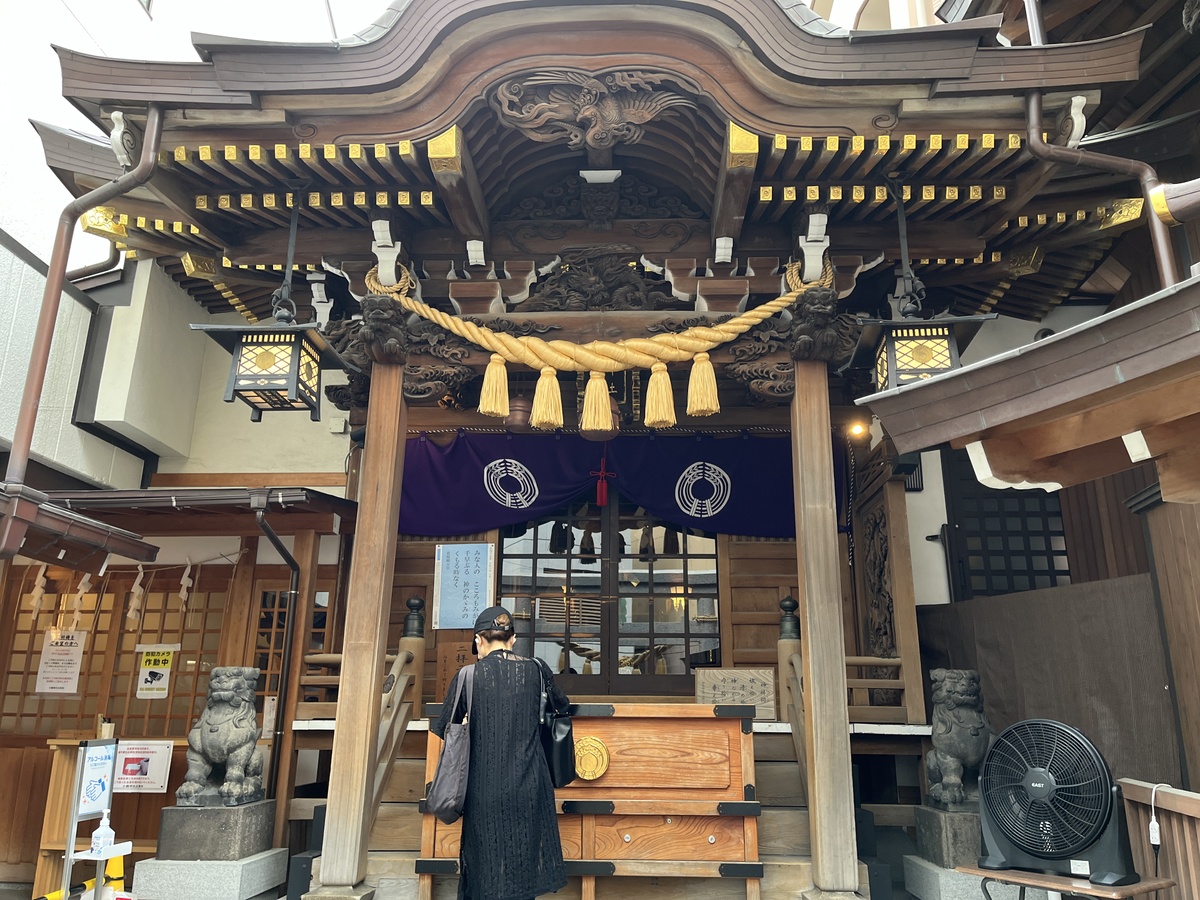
x,y
355,738
826,719
240,622
306,548
904,601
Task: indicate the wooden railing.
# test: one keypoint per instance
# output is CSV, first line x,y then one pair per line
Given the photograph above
x,y
877,699
1178,816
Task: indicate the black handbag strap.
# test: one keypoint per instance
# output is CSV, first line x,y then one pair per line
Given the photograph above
x,y
468,678
547,712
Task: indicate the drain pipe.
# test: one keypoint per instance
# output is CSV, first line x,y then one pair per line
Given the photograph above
x,y
96,268
1160,237
258,502
35,378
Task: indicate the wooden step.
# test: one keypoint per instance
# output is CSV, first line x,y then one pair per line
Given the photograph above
x,y
784,878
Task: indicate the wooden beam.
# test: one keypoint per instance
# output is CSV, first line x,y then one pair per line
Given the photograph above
x,y
735,180
826,719
459,185
352,770
306,548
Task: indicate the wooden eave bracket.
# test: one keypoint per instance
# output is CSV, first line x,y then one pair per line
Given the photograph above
x,y
458,184
735,181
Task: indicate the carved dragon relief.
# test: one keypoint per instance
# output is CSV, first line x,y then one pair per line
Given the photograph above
x,y
815,331
598,278
386,333
589,111
877,582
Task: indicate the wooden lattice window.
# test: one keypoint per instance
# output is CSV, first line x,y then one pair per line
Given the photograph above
x,y
1001,541
108,676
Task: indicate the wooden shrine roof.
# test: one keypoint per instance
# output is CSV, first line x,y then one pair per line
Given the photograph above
x,y
831,113
1087,402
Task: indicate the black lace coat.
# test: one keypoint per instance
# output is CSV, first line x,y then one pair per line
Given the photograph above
x,y
510,844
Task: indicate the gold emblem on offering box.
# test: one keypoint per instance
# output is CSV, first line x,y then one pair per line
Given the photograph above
x,y
591,758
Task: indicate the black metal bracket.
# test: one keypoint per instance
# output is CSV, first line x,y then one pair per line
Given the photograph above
x,y
435,866
734,711
590,867
594,710
748,792
734,808
741,870
588,807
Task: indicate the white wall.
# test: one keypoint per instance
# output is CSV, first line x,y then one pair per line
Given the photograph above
x,y
152,365
56,442
927,508
225,440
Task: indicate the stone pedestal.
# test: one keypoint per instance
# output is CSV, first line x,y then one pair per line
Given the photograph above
x,y
257,877
216,832
947,839
927,881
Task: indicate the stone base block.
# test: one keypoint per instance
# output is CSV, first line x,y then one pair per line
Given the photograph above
x,y
216,832
947,839
926,881
259,876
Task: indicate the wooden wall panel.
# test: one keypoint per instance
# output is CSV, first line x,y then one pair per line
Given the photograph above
x,y
756,574
1175,542
1104,539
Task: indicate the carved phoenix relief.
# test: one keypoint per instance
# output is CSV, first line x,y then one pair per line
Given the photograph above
x,y
587,111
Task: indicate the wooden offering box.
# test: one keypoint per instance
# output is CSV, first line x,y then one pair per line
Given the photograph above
x,y
664,790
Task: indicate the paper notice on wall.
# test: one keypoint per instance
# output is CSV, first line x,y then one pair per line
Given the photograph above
x,y
142,767
62,658
154,674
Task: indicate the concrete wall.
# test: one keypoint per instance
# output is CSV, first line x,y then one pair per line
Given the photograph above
x,y
152,365
56,442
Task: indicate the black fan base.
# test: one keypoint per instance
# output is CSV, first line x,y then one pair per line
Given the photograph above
x,y
1109,856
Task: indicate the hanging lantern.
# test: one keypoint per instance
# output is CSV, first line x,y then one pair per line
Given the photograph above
x,y
277,366
901,351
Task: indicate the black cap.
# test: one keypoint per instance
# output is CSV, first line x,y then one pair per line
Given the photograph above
x,y
486,621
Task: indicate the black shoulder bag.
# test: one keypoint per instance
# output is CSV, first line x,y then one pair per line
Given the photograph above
x,y
448,790
558,737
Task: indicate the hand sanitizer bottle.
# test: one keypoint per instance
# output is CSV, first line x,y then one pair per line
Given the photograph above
x,y
103,837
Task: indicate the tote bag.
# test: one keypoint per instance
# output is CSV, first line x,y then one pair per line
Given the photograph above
x,y
558,737
448,790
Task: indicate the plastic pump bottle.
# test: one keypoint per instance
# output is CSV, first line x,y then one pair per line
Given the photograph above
x,y
103,837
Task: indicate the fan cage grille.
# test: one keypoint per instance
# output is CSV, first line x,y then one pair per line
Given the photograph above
x,y
1075,813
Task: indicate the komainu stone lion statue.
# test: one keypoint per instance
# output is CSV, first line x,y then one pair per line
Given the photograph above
x,y
225,739
961,734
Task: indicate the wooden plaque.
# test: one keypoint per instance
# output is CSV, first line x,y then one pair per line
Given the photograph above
x,y
452,655
752,687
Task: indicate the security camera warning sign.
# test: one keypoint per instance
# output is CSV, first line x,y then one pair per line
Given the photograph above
x,y
154,674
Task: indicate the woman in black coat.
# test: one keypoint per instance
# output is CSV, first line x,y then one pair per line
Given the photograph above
x,y
510,844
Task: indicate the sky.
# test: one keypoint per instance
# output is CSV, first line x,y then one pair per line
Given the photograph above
x,y
31,197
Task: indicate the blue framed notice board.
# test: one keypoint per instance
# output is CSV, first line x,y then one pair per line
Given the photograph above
x,y
464,583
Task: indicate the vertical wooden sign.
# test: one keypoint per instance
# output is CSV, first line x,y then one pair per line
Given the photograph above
x,y
452,655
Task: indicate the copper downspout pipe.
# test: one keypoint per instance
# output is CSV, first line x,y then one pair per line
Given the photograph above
x,y
18,459
96,268
1160,237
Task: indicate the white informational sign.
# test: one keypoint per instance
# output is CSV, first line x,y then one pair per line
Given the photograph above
x,y
464,583
142,767
154,674
62,657
96,778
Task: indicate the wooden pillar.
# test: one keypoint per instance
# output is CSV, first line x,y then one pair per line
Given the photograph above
x,y
239,625
306,548
826,718
372,565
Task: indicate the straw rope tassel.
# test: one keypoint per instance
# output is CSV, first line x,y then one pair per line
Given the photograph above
x,y
597,412
493,399
547,413
660,406
702,388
